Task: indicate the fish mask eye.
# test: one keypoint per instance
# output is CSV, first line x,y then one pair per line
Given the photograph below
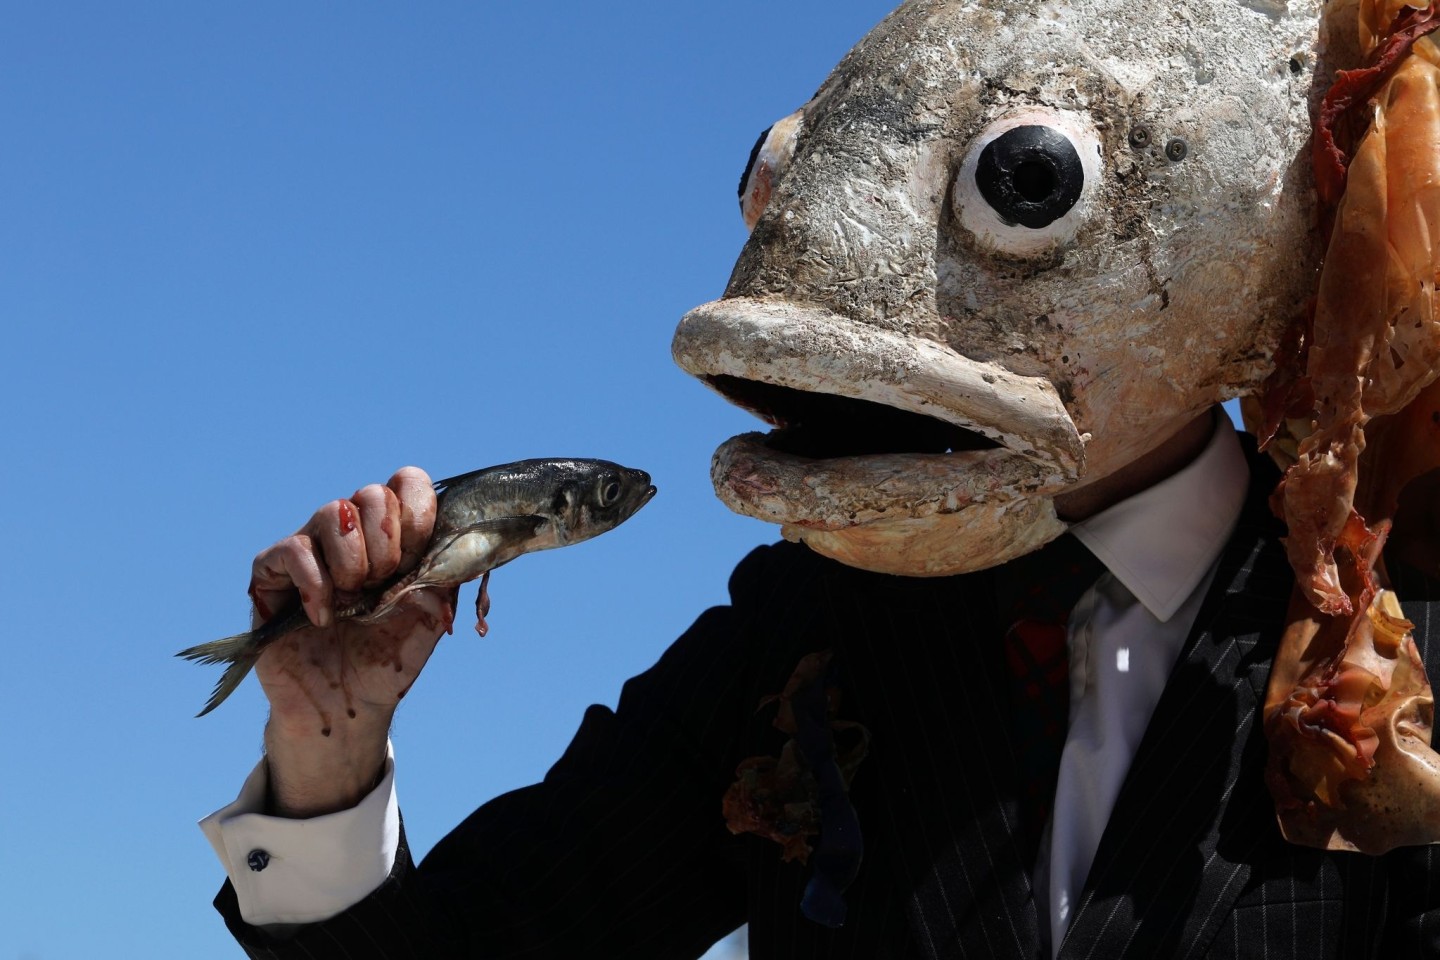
x,y
609,493
1024,186
1030,175
768,158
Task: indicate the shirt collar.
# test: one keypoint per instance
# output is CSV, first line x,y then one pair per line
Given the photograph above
x,y
1161,542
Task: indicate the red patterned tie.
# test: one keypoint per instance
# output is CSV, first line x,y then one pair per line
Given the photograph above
x,y
1036,595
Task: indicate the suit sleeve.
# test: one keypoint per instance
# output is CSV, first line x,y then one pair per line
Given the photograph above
x,y
620,851
1412,929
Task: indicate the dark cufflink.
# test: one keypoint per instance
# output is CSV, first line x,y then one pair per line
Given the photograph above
x,y
258,860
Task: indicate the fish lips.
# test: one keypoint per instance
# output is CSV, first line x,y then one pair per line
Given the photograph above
x,y
638,491
984,434
646,495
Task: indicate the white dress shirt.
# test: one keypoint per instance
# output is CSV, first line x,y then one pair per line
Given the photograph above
x,y
1159,548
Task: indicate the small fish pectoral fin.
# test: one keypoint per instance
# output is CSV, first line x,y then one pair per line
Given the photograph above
x,y
469,553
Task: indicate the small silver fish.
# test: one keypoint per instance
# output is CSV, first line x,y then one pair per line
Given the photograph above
x,y
483,520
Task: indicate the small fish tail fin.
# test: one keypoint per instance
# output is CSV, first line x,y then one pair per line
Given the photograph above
x,y
229,680
240,652
224,650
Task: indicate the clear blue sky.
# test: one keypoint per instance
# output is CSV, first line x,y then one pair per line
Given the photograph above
x,y
253,257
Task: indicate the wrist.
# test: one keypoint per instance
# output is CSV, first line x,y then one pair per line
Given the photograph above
x,y
315,771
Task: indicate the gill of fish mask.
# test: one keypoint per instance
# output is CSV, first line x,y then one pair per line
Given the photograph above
x,y
1006,249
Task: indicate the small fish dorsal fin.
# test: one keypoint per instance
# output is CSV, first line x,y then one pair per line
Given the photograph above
x,y
442,485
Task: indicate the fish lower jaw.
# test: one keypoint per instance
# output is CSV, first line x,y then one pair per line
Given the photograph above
x,y
758,480
894,452
906,514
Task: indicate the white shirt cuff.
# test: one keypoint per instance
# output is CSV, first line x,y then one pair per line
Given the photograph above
x,y
304,871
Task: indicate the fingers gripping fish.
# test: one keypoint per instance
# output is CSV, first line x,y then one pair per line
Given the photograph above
x,y
484,519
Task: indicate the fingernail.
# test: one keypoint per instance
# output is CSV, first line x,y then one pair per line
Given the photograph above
x,y
347,518
324,617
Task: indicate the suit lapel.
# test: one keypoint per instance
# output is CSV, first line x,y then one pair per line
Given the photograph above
x,y
932,687
1193,807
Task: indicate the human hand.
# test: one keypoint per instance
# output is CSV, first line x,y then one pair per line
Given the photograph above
x,y
333,685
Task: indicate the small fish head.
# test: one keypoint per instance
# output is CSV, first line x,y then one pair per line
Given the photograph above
x,y
599,496
1005,250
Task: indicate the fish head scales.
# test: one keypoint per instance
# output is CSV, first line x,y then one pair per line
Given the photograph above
x,y
581,497
599,498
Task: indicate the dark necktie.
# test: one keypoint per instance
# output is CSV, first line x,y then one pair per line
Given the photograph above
x,y
1035,594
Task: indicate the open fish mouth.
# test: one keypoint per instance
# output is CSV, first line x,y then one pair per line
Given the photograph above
x,y
869,424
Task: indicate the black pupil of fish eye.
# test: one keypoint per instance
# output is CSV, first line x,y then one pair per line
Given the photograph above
x,y
1034,181
1031,176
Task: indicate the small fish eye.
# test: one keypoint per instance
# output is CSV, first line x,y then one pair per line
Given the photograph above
x,y
610,493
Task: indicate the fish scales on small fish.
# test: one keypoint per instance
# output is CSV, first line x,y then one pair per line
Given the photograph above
x,y
483,520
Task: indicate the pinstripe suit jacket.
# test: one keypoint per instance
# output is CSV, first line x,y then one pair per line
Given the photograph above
x,y
622,851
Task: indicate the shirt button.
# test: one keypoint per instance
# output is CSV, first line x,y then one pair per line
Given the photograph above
x,y
258,860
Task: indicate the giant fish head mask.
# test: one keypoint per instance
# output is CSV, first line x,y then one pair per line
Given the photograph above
x,y
1007,249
